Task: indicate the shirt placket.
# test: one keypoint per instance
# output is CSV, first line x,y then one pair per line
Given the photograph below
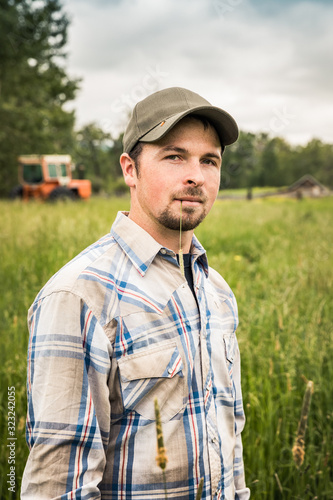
x,y
213,444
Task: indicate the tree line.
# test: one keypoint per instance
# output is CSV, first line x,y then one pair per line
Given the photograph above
x,y
34,91
261,160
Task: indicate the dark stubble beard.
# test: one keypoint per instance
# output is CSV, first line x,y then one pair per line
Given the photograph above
x,y
189,220
171,221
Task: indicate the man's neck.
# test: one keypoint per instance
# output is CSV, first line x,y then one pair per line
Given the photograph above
x,y
169,238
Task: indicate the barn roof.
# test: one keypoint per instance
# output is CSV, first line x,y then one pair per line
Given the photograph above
x,y
307,181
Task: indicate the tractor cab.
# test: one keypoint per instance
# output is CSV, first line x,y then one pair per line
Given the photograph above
x,y
49,177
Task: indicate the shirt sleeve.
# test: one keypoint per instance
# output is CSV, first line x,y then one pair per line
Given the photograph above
x,y
68,400
242,492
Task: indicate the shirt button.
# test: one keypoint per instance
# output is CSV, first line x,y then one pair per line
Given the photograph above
x,y
170,371
163,251
214,440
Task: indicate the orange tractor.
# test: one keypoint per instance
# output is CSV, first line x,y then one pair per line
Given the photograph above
x,y
49,177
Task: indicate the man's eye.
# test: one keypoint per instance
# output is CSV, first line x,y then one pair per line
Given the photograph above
x,y
173,157
208,161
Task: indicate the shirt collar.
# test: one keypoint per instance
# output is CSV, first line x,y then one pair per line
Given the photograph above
x,y
199,253
141,248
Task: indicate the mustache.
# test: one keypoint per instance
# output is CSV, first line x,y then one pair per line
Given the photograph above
x,y
192,191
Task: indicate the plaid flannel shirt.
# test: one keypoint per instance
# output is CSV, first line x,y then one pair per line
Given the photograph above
x,y
114,329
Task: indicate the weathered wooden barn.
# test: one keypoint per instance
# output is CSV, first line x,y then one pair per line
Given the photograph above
x,y
307,186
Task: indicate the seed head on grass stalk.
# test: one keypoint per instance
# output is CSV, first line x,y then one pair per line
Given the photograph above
x,y
298,448
199,492
161,458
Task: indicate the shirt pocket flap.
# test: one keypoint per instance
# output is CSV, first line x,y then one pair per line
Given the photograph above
x,y
153,363
230,346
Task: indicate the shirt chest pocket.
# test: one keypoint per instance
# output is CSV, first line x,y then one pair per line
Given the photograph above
x,y
230,344
155,372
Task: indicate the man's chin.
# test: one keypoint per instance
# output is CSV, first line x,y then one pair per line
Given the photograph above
x,y
190,220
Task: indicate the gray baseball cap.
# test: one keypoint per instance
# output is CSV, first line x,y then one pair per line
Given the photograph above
x,y
155,115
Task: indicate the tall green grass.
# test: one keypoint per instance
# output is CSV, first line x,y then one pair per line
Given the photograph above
x,y
276,254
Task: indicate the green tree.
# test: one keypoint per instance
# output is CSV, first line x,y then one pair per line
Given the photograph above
x,y
99,152
34,85
239,162
274,163
315,158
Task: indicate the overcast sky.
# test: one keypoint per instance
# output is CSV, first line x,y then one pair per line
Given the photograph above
x,y
268,63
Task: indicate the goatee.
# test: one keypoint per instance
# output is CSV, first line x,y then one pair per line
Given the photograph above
x,y
190,220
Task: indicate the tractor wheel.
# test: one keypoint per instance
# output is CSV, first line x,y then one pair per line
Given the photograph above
x,y
61,193
16,193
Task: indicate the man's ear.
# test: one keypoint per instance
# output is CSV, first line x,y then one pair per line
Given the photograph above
x,y
129,170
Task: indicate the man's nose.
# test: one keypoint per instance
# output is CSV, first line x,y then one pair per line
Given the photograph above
x,y
194,174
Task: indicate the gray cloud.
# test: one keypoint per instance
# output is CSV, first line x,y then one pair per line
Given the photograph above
x,y
262,61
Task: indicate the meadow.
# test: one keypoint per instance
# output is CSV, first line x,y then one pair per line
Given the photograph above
x,y
276,254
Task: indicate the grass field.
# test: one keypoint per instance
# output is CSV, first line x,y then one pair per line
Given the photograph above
x,y
276,255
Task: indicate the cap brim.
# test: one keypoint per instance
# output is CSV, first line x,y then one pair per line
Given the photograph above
x,y
225,125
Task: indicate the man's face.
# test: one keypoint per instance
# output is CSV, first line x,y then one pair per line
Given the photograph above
x,y
182,168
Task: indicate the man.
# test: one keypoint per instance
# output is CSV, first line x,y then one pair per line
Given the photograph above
x,y
121,326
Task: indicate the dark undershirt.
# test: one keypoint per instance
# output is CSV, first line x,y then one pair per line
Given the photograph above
x,y
188,270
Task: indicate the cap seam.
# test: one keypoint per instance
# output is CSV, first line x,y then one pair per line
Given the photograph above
x,y
184,96
136,119
152,128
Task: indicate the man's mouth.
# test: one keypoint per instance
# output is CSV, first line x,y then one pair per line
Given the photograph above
x,y
191,197
190,200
